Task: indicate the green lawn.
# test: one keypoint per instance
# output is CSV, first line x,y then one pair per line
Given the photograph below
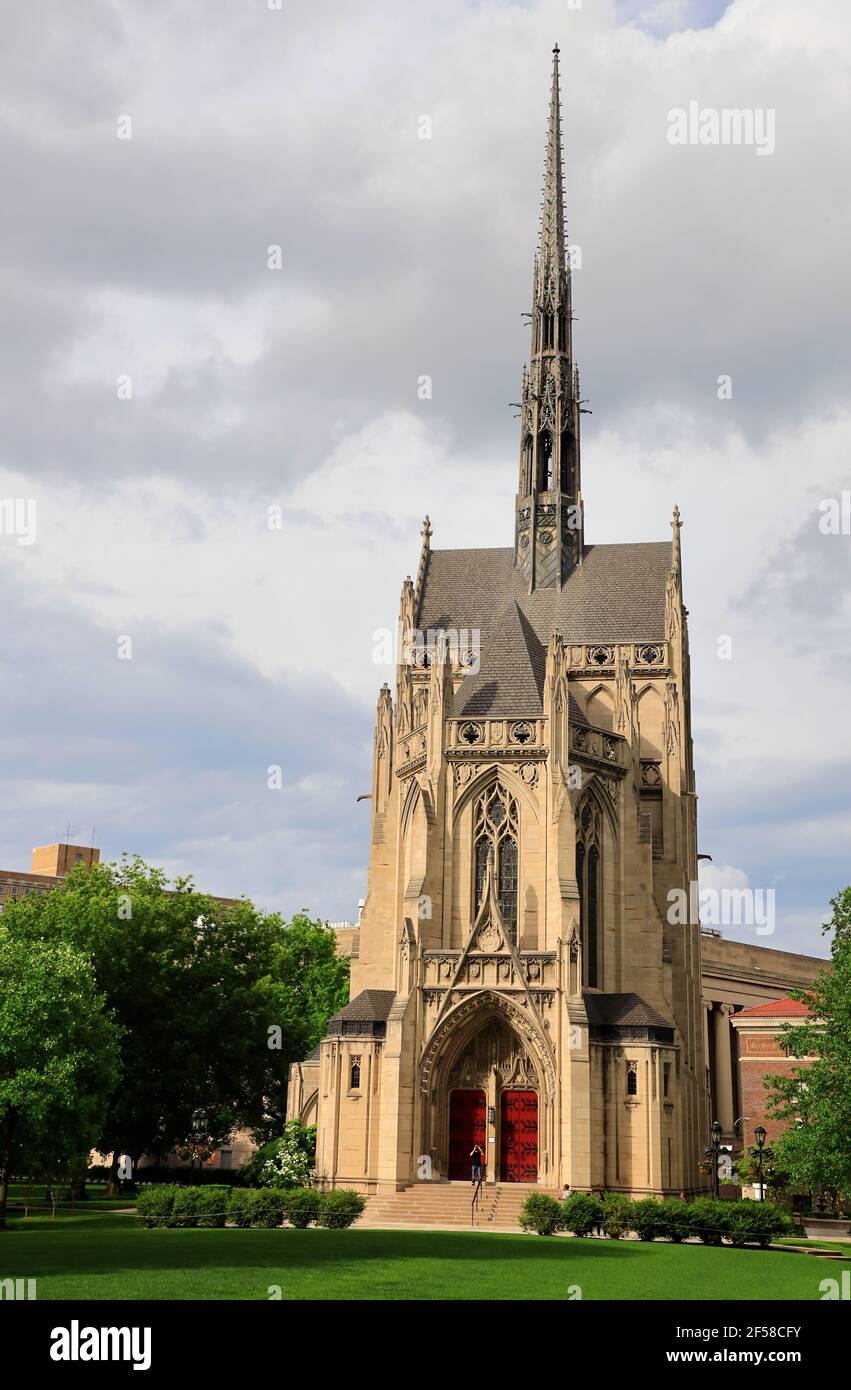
x,y
97,1253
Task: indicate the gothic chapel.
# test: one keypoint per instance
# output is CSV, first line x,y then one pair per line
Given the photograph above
x,y
517,982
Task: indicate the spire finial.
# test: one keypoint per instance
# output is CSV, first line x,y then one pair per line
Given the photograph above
x,y
676,552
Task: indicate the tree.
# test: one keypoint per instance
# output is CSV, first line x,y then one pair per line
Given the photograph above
x,y
310,983
201,989
59,1057
816,1099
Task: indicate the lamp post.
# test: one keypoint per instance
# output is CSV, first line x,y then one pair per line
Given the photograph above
x,y
199,1130
713,1152
760,1154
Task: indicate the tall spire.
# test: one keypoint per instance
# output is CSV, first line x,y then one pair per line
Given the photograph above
x,y
552,267
549,525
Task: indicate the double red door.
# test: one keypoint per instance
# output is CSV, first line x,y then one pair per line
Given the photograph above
x,y
518,1137
467,1126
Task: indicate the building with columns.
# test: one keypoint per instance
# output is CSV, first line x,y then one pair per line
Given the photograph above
x,y
518,980
738,977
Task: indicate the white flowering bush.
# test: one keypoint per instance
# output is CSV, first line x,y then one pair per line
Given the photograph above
x,y
290,1162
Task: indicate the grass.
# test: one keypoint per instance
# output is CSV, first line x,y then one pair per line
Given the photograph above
x,y
97,1253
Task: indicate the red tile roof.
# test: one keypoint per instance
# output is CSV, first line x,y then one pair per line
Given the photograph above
x,y
777,1008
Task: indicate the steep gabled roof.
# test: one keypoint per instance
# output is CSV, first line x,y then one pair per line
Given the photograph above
x,y
617,594
511,682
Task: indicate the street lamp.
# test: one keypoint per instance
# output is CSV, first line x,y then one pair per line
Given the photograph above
x,y
714,1151
760,1154
199,1131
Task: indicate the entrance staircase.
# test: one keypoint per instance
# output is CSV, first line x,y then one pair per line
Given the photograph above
x,y
443,1205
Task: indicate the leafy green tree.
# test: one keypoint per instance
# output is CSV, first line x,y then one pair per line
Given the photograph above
x,y
59,1057
816,1100
215,1000
309,984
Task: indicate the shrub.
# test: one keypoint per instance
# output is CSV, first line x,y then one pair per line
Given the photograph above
x,y
154,1205
676,1219
757,1223
340,1208
581,1213
199,1206
617,1214
239,1207
267,1207
301,1206
648,1218
541,1213
709,1219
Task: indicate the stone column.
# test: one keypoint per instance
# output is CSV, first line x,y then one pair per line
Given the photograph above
x,y
723,1097
706,1072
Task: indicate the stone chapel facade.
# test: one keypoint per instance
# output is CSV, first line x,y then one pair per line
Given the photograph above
x,y
517,981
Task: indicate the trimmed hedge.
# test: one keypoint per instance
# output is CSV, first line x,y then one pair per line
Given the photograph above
x,y
581,1214
758,1222
154,1205
267,1207
240,1206
541,1214
200,1206
617,1215
707,1219
340,1208
164,1204
302,1206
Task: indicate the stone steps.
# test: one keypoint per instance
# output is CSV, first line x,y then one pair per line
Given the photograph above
x,y
449,1204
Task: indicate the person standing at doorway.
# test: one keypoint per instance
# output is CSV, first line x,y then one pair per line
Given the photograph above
x,y
477,1158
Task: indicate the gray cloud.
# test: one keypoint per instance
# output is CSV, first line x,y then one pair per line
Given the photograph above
x,y
400,257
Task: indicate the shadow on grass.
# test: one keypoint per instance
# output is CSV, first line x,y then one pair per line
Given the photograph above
x,y
67,1246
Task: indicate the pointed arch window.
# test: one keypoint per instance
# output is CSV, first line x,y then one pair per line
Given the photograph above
x,y
568,471
528,451
496,829
545,461
547,330
588,867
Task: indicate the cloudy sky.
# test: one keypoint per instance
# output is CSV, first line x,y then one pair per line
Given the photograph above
x,y
163,387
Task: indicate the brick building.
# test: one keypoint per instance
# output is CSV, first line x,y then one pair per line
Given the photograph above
x,y
761,1052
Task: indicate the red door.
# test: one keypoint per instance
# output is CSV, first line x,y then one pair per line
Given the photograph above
x,y
467,1115
518,1137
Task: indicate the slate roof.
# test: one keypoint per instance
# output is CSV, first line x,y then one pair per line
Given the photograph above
x,y
622,1011
370,1006
617,594
516,685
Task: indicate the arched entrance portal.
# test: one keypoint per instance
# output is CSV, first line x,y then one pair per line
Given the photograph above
x,y
487,1091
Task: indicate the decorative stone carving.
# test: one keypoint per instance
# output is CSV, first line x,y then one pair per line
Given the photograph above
x,y
471,734
651,773
528,772
649,654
